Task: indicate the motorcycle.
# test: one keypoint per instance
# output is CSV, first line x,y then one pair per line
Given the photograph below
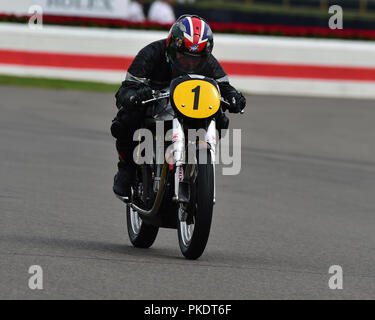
x,y
176,193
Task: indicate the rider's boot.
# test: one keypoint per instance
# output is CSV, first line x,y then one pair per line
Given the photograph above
x,y
124,178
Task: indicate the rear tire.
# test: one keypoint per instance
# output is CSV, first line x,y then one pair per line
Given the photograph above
x,y
141,235
193,235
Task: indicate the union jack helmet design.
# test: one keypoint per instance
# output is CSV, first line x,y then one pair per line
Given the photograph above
x,y
190,41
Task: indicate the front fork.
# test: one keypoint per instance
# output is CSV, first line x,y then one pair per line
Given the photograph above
x,y
185,170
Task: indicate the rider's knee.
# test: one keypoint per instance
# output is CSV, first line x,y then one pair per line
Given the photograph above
x,y
118,129
125,123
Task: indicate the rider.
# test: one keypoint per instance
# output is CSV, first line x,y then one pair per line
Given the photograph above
x,y
187,50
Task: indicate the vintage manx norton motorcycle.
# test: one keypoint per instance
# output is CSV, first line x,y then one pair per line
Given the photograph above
x,y
176,193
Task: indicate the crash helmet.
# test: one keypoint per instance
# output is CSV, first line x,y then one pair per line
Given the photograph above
x,y
189,44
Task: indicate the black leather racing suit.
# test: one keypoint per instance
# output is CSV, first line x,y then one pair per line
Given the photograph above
x,y
151,68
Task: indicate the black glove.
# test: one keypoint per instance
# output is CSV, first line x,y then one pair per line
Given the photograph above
x,y
132,98
237,102
144,93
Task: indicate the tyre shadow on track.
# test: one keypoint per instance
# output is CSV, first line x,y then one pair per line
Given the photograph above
x,y
40,245
23,245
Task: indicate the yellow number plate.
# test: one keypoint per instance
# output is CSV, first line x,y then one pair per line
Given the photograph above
x,y
196,99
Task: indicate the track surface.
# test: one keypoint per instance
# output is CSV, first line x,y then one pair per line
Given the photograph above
x,y
305,200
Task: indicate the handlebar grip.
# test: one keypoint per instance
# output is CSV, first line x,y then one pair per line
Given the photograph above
x,y
225,105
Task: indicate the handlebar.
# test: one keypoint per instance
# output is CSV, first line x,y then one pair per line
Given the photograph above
x,y
162,95
228,104
157,96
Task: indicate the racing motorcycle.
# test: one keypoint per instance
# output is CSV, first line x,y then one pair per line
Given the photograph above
x,y
177,192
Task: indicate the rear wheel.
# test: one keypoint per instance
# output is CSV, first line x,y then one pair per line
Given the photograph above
x,y
141,235
194,226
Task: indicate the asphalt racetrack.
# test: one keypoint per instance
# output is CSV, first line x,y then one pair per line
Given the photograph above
x,y
304,201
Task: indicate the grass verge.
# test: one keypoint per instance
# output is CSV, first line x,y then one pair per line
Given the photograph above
x,y
57,84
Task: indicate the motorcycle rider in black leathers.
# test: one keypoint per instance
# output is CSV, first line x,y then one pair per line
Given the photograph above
x,y
187,50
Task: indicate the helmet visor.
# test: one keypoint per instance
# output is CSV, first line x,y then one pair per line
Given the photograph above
x,y
188,62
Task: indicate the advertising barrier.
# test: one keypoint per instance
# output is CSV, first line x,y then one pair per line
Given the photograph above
x,y
255,64
81,8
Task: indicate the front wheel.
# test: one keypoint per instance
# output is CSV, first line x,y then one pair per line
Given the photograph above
x,y
194,230
141,235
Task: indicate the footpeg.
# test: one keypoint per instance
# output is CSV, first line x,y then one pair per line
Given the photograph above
x,y
123,199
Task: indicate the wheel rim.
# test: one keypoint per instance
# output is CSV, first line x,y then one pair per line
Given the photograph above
x,y
135,221
187,231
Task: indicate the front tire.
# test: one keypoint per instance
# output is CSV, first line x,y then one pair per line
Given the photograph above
x,y
141,235
194,232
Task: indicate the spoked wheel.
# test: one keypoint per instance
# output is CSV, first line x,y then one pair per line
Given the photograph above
x,y
194,226
141,235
